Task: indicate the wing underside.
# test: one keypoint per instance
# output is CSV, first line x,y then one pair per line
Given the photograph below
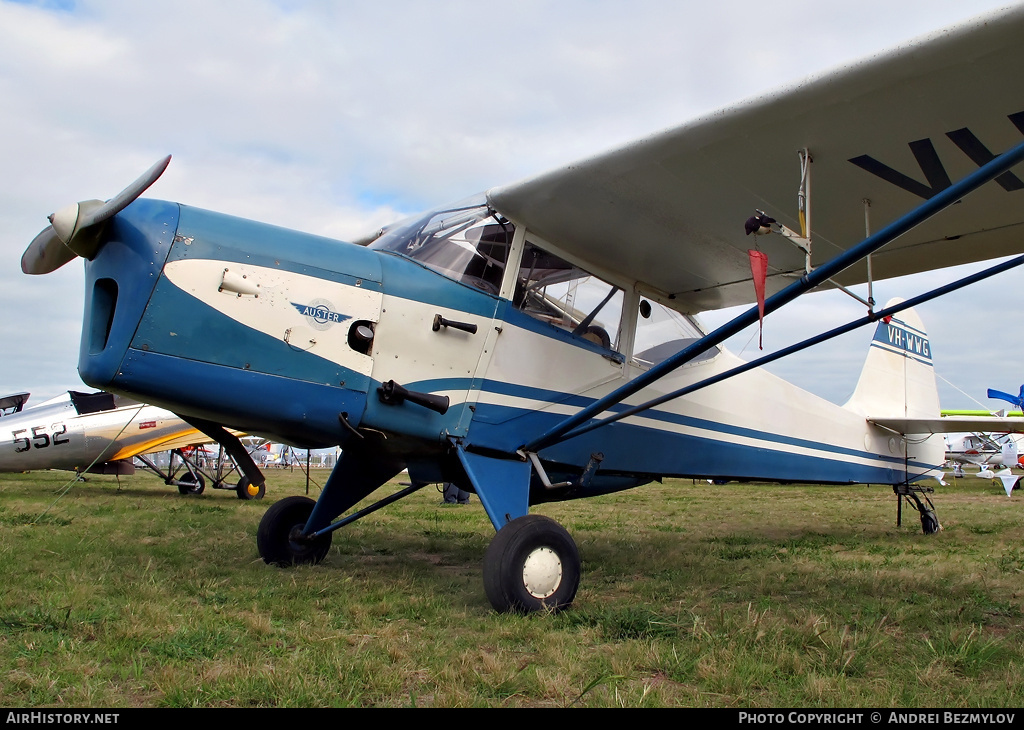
x,y
186,436
884,135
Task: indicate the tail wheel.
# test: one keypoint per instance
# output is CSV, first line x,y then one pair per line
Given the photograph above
x,y
532,564
279,536
248,490
929,521
191,483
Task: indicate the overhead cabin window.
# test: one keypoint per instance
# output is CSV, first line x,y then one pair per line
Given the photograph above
x,y
467,242
662,332
552,290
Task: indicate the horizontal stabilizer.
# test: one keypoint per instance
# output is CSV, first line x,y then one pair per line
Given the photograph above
x,y
951,424
12,403
113,468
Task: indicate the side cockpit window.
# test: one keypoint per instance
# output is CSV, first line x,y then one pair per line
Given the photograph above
x,y
662,332
555,291
471,243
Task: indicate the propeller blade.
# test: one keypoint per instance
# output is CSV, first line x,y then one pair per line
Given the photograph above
x,y
127,196
63,240
46,253
1003,396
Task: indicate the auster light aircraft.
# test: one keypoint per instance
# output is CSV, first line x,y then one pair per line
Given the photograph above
x,y
480,342
101,433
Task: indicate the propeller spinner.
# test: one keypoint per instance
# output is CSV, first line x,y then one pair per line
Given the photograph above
x,y
75,229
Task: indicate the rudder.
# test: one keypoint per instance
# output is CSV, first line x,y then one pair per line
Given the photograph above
x,y
898,378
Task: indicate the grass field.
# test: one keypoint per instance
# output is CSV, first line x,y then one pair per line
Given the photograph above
x,y
128,594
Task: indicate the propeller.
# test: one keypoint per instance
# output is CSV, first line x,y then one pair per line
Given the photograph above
x,y
75,229
1017,400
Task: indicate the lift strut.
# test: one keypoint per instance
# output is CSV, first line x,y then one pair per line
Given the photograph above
x,y
809,281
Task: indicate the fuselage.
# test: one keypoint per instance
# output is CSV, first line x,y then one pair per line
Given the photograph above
x,y
291,336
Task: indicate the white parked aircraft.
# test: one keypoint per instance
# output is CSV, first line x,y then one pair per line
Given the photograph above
x,y
982,449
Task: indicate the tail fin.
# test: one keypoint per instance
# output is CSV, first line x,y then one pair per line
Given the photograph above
x,y
1009,453
898,379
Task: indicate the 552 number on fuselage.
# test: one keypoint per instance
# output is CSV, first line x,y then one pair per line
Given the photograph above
x,y
57,437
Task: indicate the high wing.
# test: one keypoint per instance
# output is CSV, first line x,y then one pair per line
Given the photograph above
x,y
668,211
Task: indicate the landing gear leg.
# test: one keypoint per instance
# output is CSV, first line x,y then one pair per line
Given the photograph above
x,y
255,486
532,564
929,521
293,530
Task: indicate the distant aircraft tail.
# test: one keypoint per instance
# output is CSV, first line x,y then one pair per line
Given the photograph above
x,y
1009,453
898,379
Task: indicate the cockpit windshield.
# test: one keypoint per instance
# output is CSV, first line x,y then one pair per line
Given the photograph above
x,y
468,242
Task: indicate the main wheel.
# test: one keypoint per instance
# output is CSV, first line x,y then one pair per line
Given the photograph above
x,y
929,521
248,490
532,564
278,536
191,483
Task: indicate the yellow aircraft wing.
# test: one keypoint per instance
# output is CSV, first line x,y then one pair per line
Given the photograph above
x,y
187,436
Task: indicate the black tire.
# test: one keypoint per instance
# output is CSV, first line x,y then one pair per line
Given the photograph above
x,y
279,528
246,490
191,483
532,564
929,522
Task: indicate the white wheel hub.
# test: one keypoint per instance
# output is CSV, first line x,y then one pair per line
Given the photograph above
x,y
542,572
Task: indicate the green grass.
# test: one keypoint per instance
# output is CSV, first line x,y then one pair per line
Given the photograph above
x,y
128,594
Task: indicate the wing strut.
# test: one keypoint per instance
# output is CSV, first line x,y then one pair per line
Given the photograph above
x,y
809,281
818,339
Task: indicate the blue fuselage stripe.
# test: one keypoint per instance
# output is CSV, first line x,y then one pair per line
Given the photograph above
x,y
578,401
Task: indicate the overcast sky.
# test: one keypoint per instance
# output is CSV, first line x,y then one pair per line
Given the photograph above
x,y
337,117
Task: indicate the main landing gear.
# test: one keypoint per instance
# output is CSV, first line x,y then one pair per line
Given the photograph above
x,y
532,564
279,536
251,485
192,471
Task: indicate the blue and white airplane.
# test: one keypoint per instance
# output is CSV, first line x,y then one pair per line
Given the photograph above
x,y
538,342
